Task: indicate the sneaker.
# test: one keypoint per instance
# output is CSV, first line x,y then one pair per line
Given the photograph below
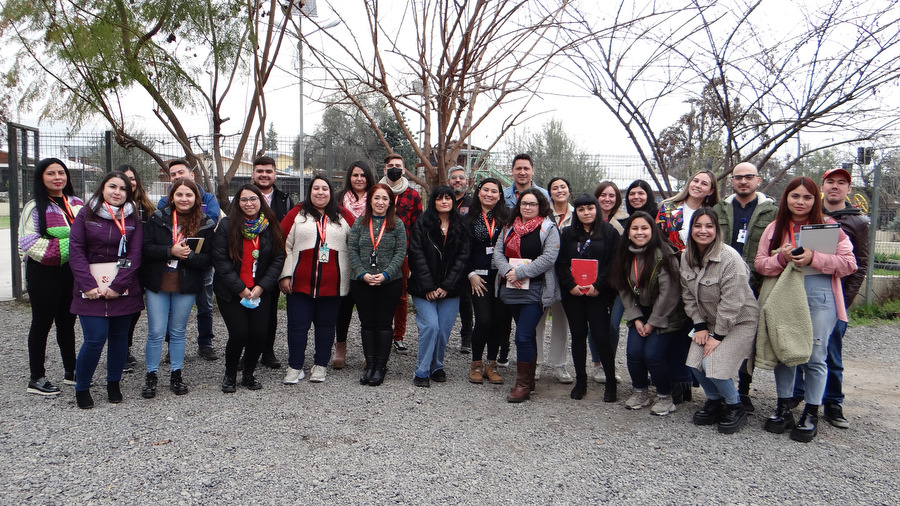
x,y
537,371
317,375
293,376
663,406
834,414
599,374
269,360
421,382
251,383
127,368
439,376
42,386
401,348
503,363
465,345
638,400
69,378
131,360
207,353
562,374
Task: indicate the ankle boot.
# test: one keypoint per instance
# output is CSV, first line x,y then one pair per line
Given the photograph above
x,y
149,390
369,347
113,391
176,384
490,372
711,413
783,419
340,355
476,374
384,342
808,425
609,390
229,383
580,388
734,418
524,378
83,399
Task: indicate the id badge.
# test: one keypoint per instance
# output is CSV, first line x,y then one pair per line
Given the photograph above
x,y
172,264
489,250
742,236
323,254
255,262
373,260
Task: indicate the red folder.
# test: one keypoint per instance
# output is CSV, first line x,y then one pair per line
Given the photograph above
x,y
584,271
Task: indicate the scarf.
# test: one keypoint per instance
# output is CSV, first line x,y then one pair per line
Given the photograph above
x,y
252,228
103,212
513,244
356,207
399,187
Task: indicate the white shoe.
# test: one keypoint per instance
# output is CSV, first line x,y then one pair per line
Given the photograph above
x,y
599,374
293,376
663,406
638,400
317,375
537,371
563,375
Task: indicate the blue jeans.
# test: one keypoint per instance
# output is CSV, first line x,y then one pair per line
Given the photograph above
x,y
716,388
167,312
435,320
526,317
205,311
649,355
98,330
302,312
820,299
835,364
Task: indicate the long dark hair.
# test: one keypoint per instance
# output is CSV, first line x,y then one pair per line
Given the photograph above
x,y
367,172
389,215
499,212
39,193
430,218
622,260
140,194
194,217
783,218
331,208
692,254
544,209
97,198
599,190
650,207
237,218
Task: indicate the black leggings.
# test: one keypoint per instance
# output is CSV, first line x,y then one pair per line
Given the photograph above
x,y
247,328
376,304
50,293
345,314
493,322
583,312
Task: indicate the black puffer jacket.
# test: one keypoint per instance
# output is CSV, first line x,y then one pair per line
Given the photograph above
x,y
227,282
156,253
603,242
434,263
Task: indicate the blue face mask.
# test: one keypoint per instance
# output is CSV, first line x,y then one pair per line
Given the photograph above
x,y
250,303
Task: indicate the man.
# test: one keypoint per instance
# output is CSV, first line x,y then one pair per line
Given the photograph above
x,y
263,177
522,173
743,217
836,186
458,180
179,169
408,208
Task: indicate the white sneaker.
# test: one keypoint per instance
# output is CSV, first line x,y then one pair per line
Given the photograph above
x,y
537,371
599,374
638,400
317,375
663,406
293,376
563,375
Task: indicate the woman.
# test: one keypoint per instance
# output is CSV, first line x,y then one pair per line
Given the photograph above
x,y
675,213
177,251
587,304
438,256
524,257
639,197
105,256
645,271
801,205
44,246
352,197
145,209
715,284
611,211
377,247
492,317
248,253
610,200
559,190
316,274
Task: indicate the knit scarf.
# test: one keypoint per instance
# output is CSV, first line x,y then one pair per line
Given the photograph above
x,y
397,187
356,207
252,228
513,244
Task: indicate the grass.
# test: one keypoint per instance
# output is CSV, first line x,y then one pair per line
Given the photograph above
x,y
4,221
870,314
885,272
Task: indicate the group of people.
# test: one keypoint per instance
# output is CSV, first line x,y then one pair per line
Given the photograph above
x,y
685,276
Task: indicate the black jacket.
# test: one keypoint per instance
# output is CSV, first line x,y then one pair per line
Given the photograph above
x,y
227,282
434,263
604,240
856,226
156,253
281,204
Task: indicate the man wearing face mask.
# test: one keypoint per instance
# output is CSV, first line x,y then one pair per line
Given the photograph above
x,y
408,208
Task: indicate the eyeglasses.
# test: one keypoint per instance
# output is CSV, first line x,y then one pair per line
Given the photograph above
x,y
244,200
458,176
528,204
745,177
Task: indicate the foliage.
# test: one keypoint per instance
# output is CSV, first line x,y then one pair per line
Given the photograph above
x,y
271,143
868,314
554,153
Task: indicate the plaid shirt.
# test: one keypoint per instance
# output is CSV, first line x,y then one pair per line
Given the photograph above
x,y
409,208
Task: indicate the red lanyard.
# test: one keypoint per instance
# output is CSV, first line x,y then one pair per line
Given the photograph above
x,y
376,242
489,226
562,219
793,241
636,276
69,214
322,231
120,226
177,237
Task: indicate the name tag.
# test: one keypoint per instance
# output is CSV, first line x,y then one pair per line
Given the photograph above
x,y
172,264
481,272
489,250
323,254
742,236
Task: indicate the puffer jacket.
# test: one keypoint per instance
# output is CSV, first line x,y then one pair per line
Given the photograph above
x,y
435,263
227,283
157,253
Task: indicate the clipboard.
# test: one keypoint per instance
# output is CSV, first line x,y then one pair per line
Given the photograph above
x,y
821,238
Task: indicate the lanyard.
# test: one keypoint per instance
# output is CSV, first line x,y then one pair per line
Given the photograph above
x,y
376,242
177,236
120,226
68,208
636,277
582,247
562,219
320,226
489,226
793,241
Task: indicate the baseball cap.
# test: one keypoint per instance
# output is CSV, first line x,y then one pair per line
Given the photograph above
x,y
838,171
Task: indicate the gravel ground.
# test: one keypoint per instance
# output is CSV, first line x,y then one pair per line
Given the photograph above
x,y
452,443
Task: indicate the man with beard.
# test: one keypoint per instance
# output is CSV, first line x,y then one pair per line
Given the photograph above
x,y
457,179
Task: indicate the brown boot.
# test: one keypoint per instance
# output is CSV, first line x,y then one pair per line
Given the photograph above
x,y
490,372
524,379
475,372
340,355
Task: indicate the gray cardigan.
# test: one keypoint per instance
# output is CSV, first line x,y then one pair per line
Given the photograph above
x,y
544,264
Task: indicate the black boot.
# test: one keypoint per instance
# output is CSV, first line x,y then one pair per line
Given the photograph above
x,y
113,391
176,384
369,347
808,425
580,387
734,418
711,413
783,419
383,343
744,380
609,390
83,399
149,390
229,384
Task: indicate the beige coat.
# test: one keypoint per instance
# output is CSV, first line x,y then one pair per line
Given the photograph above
x,y
719,294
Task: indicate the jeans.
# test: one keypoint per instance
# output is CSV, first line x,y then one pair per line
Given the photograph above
x,y
100,330
50,293
649,355
559,335
167,312
304,311
715,388
526,317
205,311
820,299
435,320
833,392
401,310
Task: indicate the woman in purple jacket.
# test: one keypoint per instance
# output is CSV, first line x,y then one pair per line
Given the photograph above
x,y
105,254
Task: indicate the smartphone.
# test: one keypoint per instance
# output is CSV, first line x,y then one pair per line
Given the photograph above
x,y
798,251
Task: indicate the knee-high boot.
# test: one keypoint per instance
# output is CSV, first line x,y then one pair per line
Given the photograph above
x,y
383,340
369,347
